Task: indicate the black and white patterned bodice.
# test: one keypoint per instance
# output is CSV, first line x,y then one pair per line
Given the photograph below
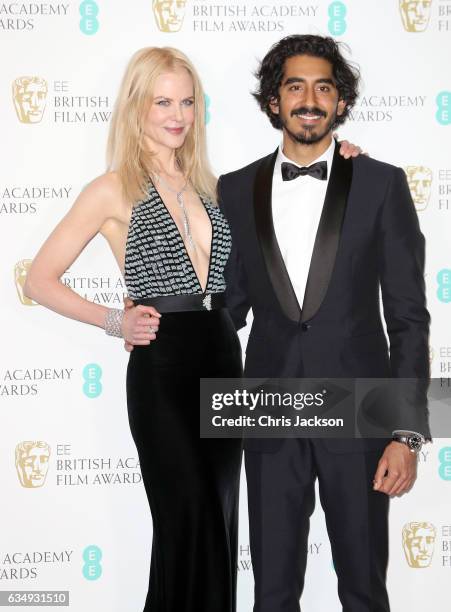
x,y
156,259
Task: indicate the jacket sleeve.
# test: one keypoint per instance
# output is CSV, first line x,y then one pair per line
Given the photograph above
x,y
237,297
401,258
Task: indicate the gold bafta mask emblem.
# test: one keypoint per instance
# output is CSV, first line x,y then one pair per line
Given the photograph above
x,y
30,96
169,14
32,463
420,183
418,541
415,14
20,275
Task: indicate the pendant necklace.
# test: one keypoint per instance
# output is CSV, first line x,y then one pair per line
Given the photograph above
x,y
180,202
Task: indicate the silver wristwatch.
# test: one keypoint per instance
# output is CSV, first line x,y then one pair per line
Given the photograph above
x,y
412,440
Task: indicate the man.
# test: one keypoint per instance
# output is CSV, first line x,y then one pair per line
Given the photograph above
x,y
314,238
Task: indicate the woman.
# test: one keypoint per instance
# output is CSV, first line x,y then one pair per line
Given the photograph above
x,y
156,208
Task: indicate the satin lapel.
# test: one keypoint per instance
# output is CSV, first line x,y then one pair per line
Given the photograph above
x,y
328,235
274,262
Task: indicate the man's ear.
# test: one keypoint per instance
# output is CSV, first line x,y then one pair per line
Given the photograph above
x,y
274,105
341,107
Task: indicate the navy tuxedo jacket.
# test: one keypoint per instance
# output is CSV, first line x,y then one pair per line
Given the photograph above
x,y
368,240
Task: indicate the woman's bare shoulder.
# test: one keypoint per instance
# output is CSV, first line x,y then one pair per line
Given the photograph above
x,y
105,187
104,196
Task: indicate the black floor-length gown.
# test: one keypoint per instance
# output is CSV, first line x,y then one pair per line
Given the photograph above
x,y
192,483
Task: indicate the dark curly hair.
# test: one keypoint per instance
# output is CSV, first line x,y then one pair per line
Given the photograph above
x,y
270,72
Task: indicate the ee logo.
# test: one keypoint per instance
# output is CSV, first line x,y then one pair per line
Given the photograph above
x,y
443,114
92,555
444,285
88,22
337,23
207,109
92,374
444,457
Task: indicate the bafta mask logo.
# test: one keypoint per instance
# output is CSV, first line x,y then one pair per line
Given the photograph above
x,y
30,96
169,14
20,275
32,463
415,14
418,541
420,183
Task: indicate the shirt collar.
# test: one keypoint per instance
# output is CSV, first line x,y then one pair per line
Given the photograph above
x,y
327,156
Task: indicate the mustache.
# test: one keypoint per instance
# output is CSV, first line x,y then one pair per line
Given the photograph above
x,y
306,110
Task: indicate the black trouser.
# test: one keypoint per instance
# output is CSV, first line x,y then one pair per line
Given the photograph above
x,y
281,498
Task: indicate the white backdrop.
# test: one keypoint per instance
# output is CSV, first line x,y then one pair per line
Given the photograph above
x,y
83,523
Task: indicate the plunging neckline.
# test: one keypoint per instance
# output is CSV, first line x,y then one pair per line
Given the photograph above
x,y
185,250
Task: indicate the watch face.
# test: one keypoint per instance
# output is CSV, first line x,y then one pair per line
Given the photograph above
x,y
414,443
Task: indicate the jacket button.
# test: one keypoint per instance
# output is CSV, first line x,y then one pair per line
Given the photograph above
x,y
305,326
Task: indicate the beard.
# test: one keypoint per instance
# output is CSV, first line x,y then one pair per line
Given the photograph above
x,y
308,135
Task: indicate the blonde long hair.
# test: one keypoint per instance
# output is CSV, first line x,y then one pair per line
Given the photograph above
x,y
126,154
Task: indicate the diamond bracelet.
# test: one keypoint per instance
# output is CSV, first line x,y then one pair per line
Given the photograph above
x,y
113,322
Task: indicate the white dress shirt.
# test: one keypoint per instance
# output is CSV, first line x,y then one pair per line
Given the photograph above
x,y
296,211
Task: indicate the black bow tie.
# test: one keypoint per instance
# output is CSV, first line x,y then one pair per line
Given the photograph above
x,y
291,171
